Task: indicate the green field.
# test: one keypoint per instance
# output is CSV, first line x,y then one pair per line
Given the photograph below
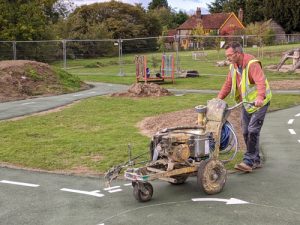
x,y
211,77
94,133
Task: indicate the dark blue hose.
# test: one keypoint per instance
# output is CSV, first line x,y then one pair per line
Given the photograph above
x,y
225,137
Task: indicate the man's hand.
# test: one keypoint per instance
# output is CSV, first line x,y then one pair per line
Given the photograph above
x,y
259,103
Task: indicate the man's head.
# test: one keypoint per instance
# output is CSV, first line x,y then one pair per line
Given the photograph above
x,y
234,52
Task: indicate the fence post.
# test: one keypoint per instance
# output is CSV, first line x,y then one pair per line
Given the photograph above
x,y
121,73
64,43
177,40
14,50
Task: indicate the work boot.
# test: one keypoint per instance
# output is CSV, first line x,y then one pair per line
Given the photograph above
x,y
243,167
257,165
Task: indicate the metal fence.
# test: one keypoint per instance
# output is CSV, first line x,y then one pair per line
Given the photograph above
x,y
119,53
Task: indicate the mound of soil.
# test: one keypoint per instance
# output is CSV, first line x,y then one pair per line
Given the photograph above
x,y
144,90
283,69
150,125
285,84
22,79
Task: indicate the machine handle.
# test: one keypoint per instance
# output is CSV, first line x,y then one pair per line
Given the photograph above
x,y
237,105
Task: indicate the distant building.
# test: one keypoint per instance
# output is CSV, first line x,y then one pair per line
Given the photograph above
x,y
217,23
280,35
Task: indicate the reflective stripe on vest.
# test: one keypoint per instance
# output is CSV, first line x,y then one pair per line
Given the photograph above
x,y
248,90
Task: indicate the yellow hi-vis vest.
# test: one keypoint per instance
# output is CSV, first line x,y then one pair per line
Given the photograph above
x,y
248,91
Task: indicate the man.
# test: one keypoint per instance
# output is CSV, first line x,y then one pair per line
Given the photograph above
x,y
247,83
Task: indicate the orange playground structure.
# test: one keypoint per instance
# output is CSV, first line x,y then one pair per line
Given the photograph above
x,y
143,72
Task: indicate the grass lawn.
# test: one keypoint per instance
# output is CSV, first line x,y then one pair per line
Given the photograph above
x,y
93,133
106,69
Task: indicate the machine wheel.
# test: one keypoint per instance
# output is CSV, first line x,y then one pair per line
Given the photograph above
x,y
211,176
180,179
142,191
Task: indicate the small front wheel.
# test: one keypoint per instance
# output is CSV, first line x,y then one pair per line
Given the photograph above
x,y
142,191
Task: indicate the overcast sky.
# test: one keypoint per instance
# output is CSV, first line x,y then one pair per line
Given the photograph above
x,y
186,5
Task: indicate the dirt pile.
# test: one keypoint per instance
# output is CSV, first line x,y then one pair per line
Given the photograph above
x,y
150,125
144,90
21,79
285,84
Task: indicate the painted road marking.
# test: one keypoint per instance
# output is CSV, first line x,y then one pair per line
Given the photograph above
x,y
19,183
291,121
299,141
92,193
292,131
231,201
28,103
115,190
110,188
297,114
77,95
128,184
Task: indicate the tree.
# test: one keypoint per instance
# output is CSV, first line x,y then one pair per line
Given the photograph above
x,y
285,12
27,20
198,32
253,11
156,4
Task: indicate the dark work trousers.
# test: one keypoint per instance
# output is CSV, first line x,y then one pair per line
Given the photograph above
x,y
251,125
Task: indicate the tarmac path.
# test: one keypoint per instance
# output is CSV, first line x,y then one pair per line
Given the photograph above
x,y
267,196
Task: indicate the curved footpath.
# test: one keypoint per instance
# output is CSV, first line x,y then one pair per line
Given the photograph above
x,y
267,196
25,107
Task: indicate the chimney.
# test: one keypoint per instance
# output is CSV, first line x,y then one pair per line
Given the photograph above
x,y
241,14
198,12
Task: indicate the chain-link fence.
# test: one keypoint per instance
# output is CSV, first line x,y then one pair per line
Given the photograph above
x,y
119,54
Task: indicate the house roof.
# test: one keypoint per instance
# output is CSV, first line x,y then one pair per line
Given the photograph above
x,y
209,21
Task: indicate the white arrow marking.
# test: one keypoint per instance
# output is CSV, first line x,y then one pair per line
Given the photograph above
x,y
110,188
19,183
298,114
291,121
27,103
115,190
231,201
292,131
92,193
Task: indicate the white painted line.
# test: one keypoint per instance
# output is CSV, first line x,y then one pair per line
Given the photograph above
x,y
110,188
299,141
28,103
292,131
83,192
19,183
101,224
297,114
128,184
78,95
96,191
115,190
231,201
291,121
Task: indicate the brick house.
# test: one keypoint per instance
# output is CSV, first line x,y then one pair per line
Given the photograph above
x,y
217,23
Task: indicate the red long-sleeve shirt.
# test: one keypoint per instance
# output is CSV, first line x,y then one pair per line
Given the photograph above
x,y
256,76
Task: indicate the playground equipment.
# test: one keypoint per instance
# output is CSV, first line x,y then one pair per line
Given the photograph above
x,y
143,73
294,54
180,152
